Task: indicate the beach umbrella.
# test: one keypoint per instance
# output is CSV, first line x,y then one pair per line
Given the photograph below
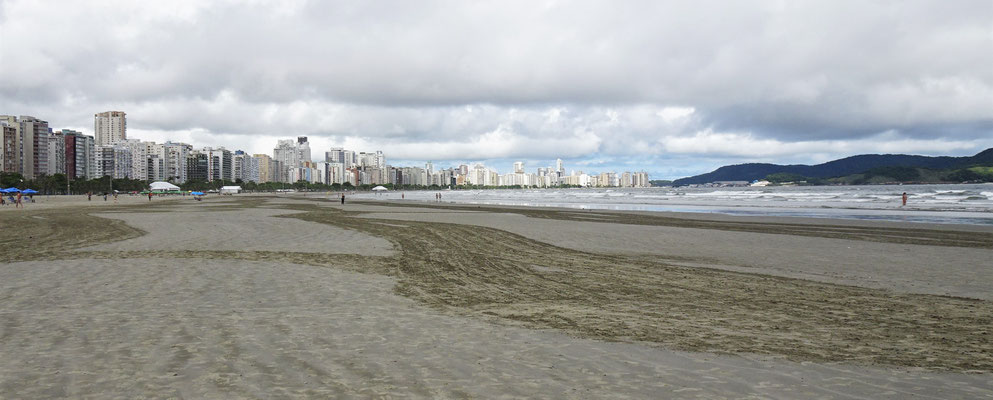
x,y
11,190
197,193
29,191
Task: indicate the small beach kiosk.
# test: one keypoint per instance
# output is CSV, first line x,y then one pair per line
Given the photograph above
x,y
230,189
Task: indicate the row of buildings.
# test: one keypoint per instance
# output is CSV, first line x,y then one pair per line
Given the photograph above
x,y
481,175
33,149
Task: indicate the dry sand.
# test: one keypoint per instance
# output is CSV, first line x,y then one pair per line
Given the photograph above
x,y
98,307
215,328
257,229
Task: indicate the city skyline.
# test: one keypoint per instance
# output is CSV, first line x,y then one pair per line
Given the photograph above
x,y
31,147
505,165
670,87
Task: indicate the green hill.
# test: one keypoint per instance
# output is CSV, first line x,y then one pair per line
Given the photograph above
x,y
873,168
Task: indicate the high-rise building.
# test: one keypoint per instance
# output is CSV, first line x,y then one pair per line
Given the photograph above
x,y
238,165
139,157
155,166
519,167
8,144
56,149
335,155
110,127
336,173
303,150
249,168
350,159
196,166
287,154
30,141
80,155
266,173
113,161
219,164
174,155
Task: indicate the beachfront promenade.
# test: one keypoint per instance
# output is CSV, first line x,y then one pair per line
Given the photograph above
x,y
296,295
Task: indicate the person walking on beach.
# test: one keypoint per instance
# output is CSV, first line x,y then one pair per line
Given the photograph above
x,y
17,203
89,196
104,196
904,199
149,196
342,199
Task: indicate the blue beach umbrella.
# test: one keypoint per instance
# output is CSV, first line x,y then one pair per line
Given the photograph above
x,y
11,190
197,193
29,191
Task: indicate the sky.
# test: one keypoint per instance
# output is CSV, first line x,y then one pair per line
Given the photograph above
x,y
674,88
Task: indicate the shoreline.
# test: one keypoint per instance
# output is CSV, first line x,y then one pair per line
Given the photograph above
x,y
716,216
936,205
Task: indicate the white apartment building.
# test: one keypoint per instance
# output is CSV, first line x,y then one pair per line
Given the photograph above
x,y
174,160
336,173
246,167
113,161
139,157
287,154
219,164
303,150
519,167
110,127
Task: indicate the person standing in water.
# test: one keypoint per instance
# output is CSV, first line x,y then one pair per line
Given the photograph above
x,y
904,199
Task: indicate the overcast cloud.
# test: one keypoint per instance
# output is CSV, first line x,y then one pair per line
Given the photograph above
x,y
673,88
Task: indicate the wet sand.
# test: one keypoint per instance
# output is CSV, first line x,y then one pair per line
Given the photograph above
x,y
92,307
906,268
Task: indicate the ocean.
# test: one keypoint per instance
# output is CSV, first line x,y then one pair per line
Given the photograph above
x,y
948,204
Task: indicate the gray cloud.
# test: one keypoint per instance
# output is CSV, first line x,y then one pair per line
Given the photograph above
x,y
519,79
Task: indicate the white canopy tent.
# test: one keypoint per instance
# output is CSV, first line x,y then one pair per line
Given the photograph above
x,y
379,189
163,186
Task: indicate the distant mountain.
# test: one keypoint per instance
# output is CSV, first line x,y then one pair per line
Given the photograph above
x,y
841,167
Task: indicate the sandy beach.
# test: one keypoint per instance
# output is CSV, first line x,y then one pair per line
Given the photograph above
x,y
298,296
